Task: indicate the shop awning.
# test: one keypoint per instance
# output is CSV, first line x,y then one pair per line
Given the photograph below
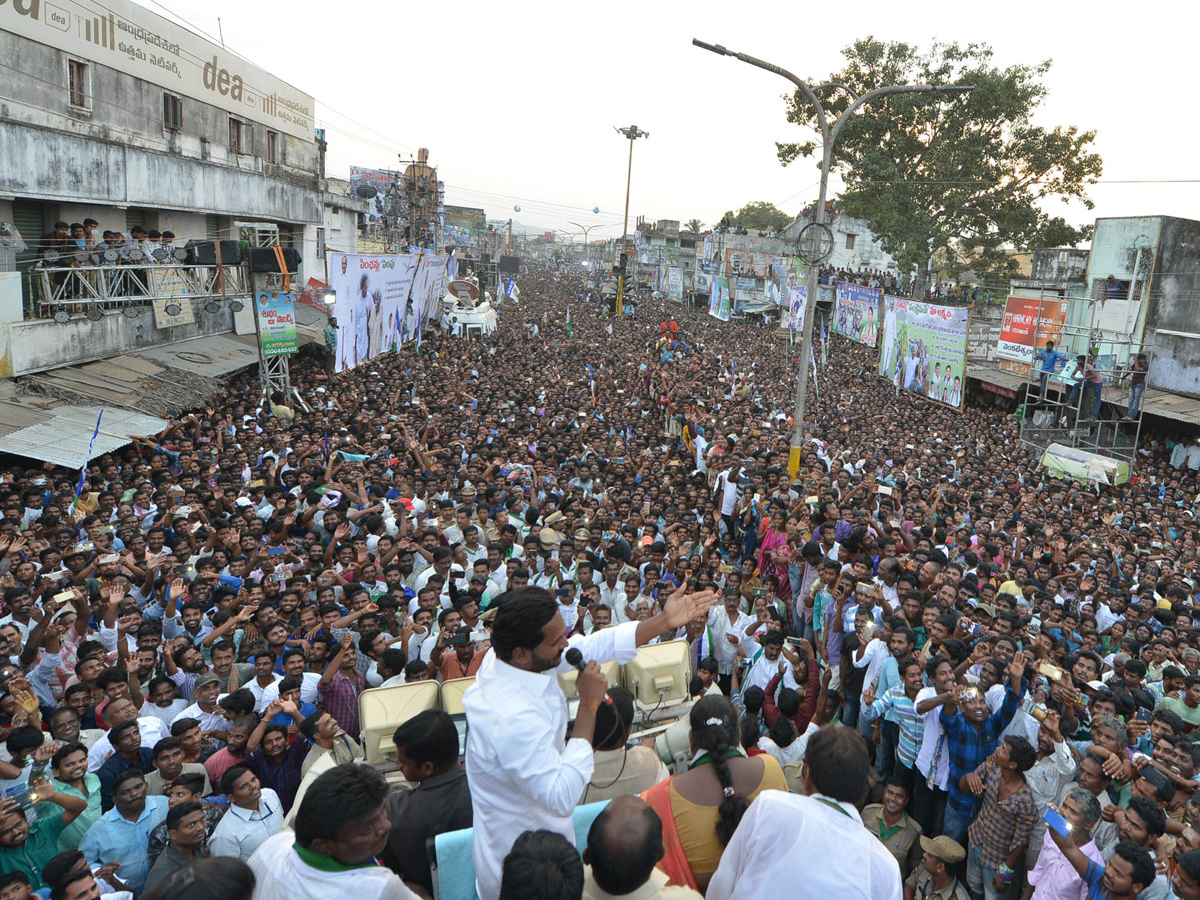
x,y
63,438
1008,384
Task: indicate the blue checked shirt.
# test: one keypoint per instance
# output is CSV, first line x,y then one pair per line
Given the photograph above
x,y
967,748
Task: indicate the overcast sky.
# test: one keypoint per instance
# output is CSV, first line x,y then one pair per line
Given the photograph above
x,y
517,101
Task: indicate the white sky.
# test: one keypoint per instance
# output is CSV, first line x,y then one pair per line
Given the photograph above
x,y
517,101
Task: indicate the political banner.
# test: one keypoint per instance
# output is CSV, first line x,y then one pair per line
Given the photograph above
x,y
787,272
374,295
1019,329
925,349
675,283
856,313
381,180
276,323
719,303
797,301
429,286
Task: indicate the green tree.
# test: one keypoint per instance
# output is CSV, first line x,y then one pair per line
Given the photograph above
x,y
967,176
759,215
694,226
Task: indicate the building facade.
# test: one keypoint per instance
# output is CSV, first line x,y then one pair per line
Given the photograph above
x,y
119,115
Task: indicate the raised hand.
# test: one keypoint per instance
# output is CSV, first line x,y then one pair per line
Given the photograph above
x,y
681,607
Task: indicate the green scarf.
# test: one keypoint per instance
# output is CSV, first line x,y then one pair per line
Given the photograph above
x,y
327,863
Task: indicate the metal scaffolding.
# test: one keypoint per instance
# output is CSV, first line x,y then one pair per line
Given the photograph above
x,y
1065,408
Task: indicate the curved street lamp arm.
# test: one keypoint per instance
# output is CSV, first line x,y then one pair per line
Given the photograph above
x,y
837,84
771,67
883,92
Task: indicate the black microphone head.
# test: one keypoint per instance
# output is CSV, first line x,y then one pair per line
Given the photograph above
x,y
575,658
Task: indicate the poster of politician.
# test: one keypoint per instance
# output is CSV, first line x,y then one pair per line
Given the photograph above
x,y
925,349
371,291
719,305
797,300
856,313
276,323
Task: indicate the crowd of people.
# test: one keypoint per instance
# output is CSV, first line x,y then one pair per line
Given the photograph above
x,y
911,651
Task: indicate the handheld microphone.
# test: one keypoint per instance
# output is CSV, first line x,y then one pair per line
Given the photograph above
x,y
575,658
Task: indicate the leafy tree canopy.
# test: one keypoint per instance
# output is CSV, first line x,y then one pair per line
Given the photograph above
x,y
761,216
966,175
694,225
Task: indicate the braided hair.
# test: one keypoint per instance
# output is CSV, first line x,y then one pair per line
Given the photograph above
x,y
715,730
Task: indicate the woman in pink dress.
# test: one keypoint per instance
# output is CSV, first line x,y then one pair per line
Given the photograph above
x,y
774,553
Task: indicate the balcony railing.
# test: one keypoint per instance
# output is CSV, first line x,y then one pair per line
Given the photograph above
x,y
79,288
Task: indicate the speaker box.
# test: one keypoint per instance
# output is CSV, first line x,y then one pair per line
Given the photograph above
x,y
204,253
263,259
510,265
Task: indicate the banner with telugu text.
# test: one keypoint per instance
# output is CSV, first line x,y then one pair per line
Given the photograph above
x,y
374,296
276,323
1020,328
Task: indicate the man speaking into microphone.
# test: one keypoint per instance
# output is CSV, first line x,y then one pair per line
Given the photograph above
x,y
523,773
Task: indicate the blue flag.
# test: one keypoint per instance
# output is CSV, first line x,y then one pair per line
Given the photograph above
x,y
86,460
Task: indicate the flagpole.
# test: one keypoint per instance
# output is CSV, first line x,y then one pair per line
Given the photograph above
x,y
87,459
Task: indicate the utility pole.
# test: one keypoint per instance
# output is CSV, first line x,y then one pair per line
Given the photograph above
x,y
632,133
828,137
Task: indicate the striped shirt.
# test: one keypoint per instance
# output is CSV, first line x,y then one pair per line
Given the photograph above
x,y
912,726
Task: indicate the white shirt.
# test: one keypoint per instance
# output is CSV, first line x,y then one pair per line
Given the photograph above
x,y
933,743
524,774
309,684
729,491
763,670
241,831
209,721
793,752
151,729
1022,724
890,595
260,692
165,713
787,839
282,875
722,625
873,657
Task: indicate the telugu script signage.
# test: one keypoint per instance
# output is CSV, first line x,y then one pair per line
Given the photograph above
x,y
127,37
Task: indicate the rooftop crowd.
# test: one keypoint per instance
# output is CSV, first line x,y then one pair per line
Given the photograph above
x,y
919,645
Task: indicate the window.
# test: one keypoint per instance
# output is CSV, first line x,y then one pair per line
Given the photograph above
x,y
172,112
273,147
850,239
320,243
78,89
241,137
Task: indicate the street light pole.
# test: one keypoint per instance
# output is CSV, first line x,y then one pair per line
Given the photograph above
x,y
586,228
828,138
633,133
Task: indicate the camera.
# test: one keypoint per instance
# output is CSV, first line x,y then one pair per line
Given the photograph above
x,y
458,639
